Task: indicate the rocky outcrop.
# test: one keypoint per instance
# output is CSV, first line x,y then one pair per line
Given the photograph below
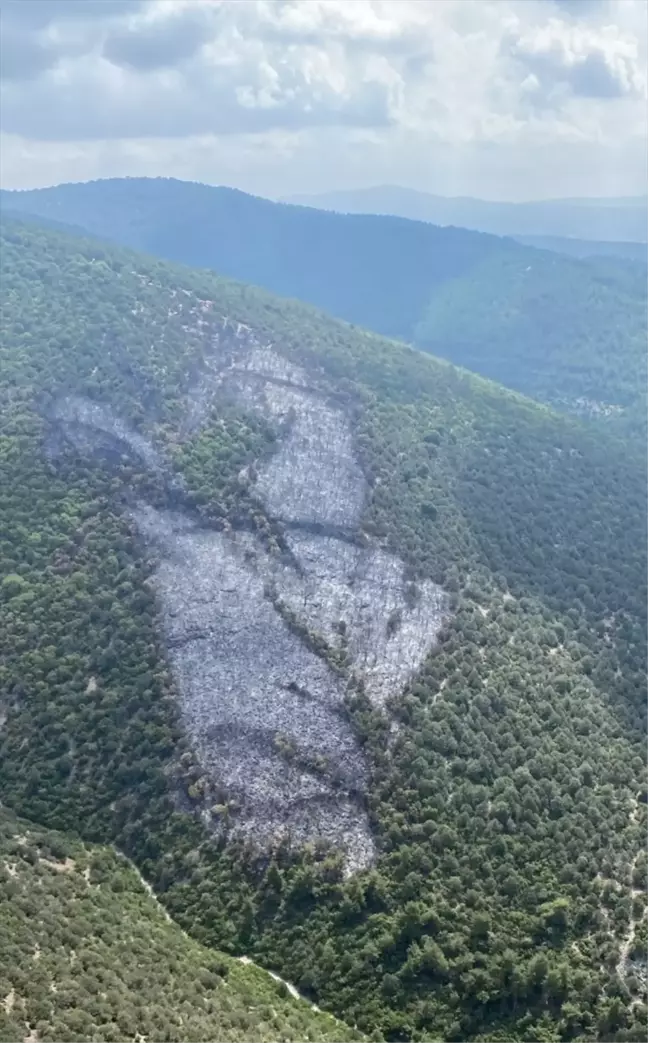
x,y
264,712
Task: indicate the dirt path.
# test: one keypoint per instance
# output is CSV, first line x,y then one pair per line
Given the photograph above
x,y
625,966
622,968
291,988
242,959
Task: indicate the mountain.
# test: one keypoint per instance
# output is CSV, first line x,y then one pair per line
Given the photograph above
x,y
609,220
587,247
87,953
343,647
579,344
566,331
375,272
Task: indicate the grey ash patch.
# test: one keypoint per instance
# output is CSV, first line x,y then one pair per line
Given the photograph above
x,y
357,596
264,713
348,593
92,427
314,478
241,673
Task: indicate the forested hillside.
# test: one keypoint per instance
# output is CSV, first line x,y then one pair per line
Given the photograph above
x,y
87,953
375,272
563,330
188,465
580,329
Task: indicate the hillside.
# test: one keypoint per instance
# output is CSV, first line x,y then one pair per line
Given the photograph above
x,y
566,331
87,953
480,319
637,252
344,648
608,220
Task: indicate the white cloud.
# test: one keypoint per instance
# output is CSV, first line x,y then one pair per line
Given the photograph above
x,y
447,95
598,62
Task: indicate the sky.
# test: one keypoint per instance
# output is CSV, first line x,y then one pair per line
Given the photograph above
x,y
501,99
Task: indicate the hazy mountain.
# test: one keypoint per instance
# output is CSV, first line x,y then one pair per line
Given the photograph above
x,y
637,252
343,647
566,331
603,219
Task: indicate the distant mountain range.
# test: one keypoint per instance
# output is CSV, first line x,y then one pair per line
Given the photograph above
x,y
621,221
563,330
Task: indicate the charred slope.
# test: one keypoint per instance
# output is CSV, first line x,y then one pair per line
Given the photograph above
x,y
265,714
497,789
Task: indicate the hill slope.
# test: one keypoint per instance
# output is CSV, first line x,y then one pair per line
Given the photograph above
x,y
86,953
400,278
574,331
609,220
345,648
637,252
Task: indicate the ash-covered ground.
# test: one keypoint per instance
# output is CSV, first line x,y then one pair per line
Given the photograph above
x,y
264,712
257,702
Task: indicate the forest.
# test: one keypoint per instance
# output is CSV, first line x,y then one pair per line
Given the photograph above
x,y
507,793
87,953
563,330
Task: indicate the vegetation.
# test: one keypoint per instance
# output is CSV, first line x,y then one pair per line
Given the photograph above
x,y
544,330
562,330
509,806
87,953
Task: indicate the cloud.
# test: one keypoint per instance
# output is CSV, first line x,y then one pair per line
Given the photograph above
x,y
163,43
415,90
21,56
179,69
589,62
38,14
37,35
582,8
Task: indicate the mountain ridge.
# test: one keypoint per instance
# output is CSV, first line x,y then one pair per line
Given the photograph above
x,y
611,220
564,330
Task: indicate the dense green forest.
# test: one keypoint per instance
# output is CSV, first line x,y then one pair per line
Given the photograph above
x,y
508,788
566,331
592,332
87,953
